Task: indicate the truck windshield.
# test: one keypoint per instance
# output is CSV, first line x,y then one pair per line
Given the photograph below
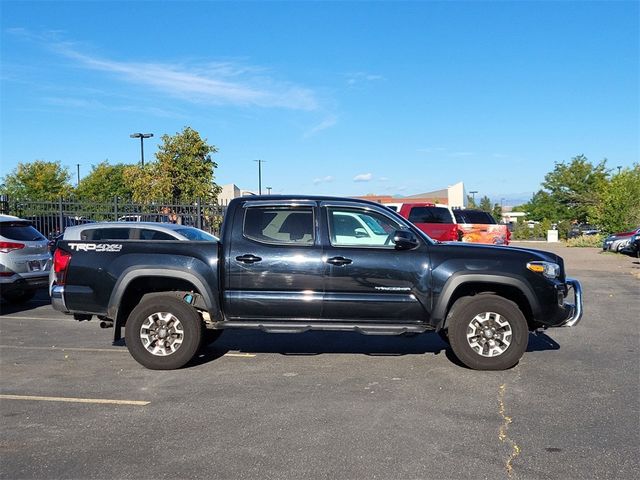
x,y
430,215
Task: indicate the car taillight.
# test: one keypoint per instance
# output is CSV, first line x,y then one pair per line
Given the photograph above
x,y
6,247
60,264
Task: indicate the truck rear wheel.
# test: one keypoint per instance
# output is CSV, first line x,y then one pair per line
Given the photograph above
x,y
487,332
163,332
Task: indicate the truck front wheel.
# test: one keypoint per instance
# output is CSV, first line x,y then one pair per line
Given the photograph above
x,y
487,332
163,332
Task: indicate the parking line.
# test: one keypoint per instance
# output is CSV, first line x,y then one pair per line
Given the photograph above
x,y
76,400
117,350
67,349
44,319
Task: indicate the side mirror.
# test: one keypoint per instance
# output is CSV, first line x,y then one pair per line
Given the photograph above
x,y
405,240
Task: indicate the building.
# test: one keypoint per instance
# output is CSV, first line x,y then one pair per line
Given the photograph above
x,y
454,196
231,191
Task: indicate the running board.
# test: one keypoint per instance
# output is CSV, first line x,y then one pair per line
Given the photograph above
x,y
299,327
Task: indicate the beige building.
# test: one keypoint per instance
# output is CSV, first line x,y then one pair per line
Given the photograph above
x,y
454,196
231,191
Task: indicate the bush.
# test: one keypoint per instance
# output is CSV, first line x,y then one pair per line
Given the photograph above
x,y
586,241
523,231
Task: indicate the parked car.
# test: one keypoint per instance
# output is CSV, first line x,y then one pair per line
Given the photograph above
x,y
617,241
582,229
25,260
435,220
633,247
478,226
136,231
283,266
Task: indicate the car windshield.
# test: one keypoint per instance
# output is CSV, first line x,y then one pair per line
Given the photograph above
x,y
474,216
20,231
196,235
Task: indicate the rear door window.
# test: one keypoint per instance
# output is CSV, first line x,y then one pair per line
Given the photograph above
x,y
120,233
281,225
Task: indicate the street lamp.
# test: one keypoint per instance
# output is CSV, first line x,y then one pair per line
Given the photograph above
x,y
473,196
260,162
141,136
269,190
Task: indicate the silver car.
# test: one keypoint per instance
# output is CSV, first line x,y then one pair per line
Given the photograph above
x,y
25,260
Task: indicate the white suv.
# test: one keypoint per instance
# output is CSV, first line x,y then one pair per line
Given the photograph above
x,y
25,260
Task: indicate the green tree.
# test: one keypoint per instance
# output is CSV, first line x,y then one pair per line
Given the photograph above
x,y
542,206
618,205
575,187
38,180
471,203
183,169
485,204
496,213
104,182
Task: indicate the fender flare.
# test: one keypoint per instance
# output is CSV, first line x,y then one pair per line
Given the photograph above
x,y
457,280
129,275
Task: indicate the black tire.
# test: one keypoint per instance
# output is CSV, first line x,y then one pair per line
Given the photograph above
x,y
487,332
18,297
149,318
210,335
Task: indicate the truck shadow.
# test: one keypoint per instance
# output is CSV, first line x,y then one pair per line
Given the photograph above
x,y
318,343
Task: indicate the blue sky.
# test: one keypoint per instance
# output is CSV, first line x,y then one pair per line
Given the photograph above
x,y
342,98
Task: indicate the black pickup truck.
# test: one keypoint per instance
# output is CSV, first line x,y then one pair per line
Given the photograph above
x,y
295,263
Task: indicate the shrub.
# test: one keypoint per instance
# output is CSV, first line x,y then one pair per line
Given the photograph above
x,y
586,241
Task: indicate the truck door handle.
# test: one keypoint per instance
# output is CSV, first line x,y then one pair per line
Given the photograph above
x,y
339,261
248,258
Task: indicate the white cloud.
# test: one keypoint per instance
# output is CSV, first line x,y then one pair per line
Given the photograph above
x,y
361,77
328,122
363,177
319,180
217,83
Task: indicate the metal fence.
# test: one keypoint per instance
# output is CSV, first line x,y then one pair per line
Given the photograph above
x,y
52,218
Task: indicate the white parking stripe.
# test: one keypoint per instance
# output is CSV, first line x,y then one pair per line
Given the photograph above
x,y
75,400
62,319
117,350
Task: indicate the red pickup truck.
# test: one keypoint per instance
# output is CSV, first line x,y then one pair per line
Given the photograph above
x,y
437,221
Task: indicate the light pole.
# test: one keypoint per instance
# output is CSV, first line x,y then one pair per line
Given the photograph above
x,y
260,162
473,196
619,167
268,190
78,182
141,136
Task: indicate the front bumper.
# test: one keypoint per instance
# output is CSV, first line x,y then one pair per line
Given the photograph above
x,y
575,308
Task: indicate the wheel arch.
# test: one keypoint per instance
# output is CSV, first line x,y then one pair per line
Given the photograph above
x,y
134,284
510,288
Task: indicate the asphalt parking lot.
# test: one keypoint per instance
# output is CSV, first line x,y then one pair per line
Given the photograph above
x,y
329,405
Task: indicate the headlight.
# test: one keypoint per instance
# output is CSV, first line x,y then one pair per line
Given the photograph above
x,y
548,269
